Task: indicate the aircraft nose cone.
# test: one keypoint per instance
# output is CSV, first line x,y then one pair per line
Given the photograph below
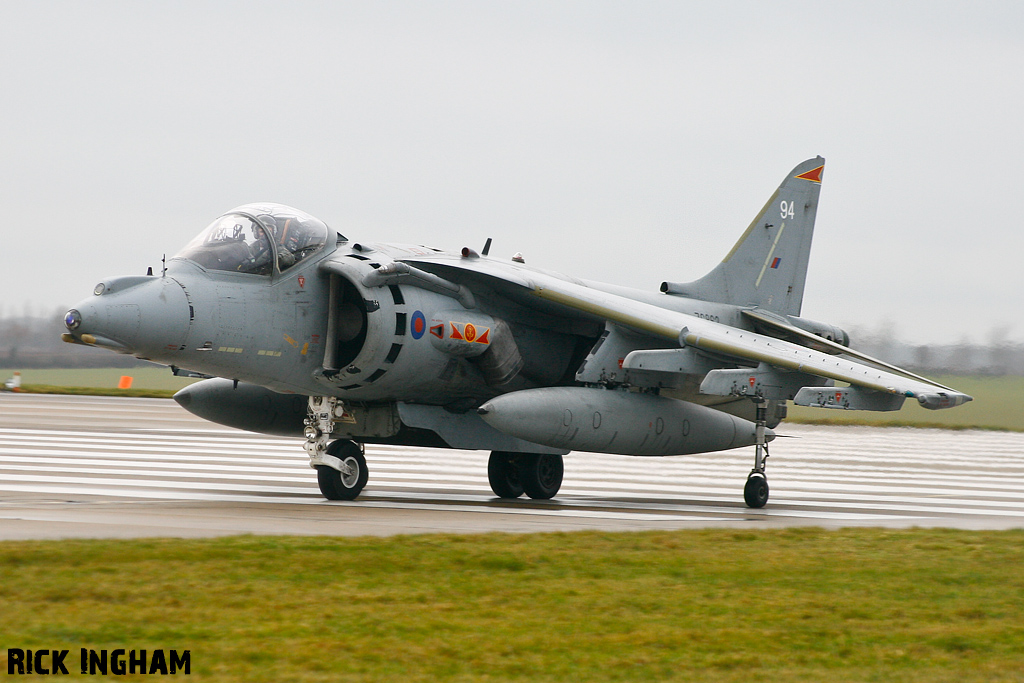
x,y
112,324
147,316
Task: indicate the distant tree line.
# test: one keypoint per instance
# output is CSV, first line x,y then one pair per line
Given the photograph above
x,y
28,341
999,356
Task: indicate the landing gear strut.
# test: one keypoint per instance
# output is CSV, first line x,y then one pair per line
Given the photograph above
x,y
340,467
755,493
512,474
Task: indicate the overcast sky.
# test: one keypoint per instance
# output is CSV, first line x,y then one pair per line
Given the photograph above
x,y
630,142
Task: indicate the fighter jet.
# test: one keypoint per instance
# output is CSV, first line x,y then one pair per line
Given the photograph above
x,y
300,330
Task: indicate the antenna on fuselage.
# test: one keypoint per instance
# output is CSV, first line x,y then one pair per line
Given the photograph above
x,y
164,261
487,247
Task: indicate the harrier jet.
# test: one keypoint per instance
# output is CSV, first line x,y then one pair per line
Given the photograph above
x,y
303,331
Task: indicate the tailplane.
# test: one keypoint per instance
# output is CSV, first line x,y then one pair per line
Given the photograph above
x,y
768,266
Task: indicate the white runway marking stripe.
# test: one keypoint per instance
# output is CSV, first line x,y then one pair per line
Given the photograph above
x,y
144,472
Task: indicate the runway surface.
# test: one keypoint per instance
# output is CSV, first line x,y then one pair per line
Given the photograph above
x,y
120,467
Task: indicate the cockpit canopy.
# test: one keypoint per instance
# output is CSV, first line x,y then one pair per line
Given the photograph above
x,y
255,237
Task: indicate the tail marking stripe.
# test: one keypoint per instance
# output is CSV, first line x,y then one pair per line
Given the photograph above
x,y
771,252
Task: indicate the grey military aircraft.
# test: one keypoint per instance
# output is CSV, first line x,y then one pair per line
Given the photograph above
x,y
300,330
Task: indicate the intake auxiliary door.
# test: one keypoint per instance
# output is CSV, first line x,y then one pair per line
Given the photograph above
x,y
346,324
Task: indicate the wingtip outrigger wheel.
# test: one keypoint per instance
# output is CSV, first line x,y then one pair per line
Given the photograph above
x,y
755,492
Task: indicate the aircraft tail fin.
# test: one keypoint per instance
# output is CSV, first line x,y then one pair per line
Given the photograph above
x,y
768,266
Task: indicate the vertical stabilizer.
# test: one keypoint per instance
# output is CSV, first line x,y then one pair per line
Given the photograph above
x,y
768,266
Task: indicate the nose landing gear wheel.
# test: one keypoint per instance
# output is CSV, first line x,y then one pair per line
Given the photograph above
x,y
335,485
755,493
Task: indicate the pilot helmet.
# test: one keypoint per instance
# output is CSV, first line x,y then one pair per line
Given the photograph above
x,y
268,222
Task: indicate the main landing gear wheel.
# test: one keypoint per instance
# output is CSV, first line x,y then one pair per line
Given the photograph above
x,y
756,490
541,475
503,474
335,485
512,474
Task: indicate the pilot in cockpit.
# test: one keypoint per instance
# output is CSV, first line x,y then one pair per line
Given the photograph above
x,y
278,227
246,239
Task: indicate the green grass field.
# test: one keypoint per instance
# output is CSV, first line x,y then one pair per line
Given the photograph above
x,y
151,378
706,605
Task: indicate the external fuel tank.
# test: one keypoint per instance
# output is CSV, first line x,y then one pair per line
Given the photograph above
x,y
616,421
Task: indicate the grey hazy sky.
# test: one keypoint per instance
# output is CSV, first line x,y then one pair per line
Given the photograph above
x,y
630,142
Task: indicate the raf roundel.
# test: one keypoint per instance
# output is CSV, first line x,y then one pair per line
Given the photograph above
x,y
418,325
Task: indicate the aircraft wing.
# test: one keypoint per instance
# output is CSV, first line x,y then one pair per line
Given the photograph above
x,y
780,324
785,370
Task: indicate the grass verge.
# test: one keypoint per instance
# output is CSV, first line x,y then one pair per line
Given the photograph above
x,y
89,391
707,605
153,377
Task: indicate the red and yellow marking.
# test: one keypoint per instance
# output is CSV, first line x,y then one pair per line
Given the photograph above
x,y
814,175
468,332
